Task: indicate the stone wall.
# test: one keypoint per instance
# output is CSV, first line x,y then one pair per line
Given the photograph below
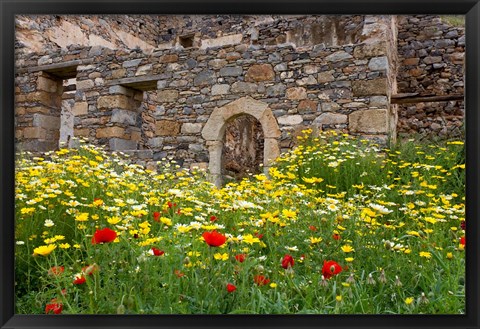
x,y
158,105
431,54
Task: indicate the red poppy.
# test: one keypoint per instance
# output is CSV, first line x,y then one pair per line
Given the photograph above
x,y
287,261
213,218
240,257
336,236
157,252
54,307
258,235
79,280
312,228
178,273
56,270
171,205
260,280
214,239
462,241
104,236
330,268
156,216
231,287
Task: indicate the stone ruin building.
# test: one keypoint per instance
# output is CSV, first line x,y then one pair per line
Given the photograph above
x,y
228,92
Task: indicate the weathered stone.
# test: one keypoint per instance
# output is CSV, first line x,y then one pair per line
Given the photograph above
x,y
132,63
378,63
81,132
310,69
167,96
46,121
370,50
46,84
260,72
276,90
108,132
432,59
338,56
329,107
205,78
167,128
296,93
369,121
155,142
369,87
326,76
197,148
310,80
221,41
444,43
117,89
411,61
171,58
114,101
35,132
307,105
85,84
80,108
290,120
378,100
117,74
191,128
144,69
222,89
217,63
244,87
231,71
120,144
330,119
124,117
280,67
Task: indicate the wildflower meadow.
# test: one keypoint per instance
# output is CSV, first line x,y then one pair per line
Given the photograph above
x,y
338,226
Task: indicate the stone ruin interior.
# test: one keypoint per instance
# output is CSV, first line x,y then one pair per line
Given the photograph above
x,y
229,93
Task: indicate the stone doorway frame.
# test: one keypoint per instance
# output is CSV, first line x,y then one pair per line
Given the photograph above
x,y
214,133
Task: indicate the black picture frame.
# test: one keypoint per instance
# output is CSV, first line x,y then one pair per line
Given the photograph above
x,y
8,10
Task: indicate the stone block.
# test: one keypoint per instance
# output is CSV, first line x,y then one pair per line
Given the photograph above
x,y
167,128
120,90
120,144
124,117
370,50
47,84
80,108
205,78
411,61
85,84
34,132
170,58
369,87
221,41
271,150
191,128
244,87
324,77
369,121
155,142
290,120
432,59
217,63
167,96
329,118
378,64
329,107
220,89
260,72
110,132
81,132
338,56
46,121
231,71
378,101
276,90
296,93
307,105
132,63
113,101
120,73
144,69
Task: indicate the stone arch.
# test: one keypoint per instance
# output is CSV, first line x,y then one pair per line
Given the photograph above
x,y
214,131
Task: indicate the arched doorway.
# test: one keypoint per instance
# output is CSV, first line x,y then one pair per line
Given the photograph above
x,y
214,133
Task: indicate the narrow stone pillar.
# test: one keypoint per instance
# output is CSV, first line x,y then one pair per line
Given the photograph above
x,y
215,165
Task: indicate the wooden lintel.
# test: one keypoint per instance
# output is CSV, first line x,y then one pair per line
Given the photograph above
x,y
144,83
414,98
64,70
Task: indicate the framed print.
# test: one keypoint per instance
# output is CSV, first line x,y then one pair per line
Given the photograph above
x,y
226,164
